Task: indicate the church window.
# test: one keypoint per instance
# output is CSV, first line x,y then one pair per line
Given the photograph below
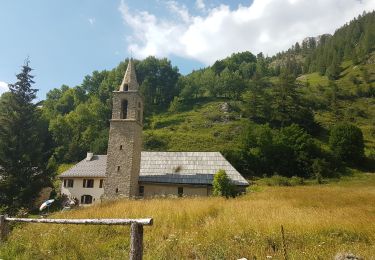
x,y
141,191
126,87
101,183
180,191
118,168
88,183
68,183
124,109
116,190
86,199
120,147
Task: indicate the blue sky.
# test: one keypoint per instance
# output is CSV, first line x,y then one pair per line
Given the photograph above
x,y
67,40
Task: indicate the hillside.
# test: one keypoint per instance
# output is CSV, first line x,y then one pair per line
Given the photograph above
x,y
314,85
209,124
319,222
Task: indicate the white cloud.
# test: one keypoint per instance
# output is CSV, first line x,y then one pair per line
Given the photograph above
x,y
181,10
269,26
200,4
3,87
91,20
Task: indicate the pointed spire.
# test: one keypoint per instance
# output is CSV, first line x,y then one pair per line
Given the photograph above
x,y
130,79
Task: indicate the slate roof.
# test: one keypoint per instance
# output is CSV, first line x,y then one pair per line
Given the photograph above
x,y
94,168
196,168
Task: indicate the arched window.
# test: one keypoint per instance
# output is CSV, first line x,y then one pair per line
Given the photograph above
x,y
124,109
126,87
86,199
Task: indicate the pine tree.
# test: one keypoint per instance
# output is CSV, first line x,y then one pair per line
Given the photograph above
x,y
24,167
333,96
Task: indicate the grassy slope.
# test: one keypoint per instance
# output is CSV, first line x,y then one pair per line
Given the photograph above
x,y
359,111
319,222
204,127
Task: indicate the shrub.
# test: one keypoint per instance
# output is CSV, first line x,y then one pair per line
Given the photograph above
x,y
175,105
222,185
154,142
320,169
277,180
295,180
346,142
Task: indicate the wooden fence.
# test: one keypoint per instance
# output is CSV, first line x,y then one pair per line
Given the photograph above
x,y
136,229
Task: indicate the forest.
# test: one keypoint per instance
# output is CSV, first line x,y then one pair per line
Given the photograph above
x,y
307,113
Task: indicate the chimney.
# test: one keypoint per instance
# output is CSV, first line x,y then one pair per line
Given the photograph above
x,y
89,156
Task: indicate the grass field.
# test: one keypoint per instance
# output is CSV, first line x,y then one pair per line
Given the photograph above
x,y
319,221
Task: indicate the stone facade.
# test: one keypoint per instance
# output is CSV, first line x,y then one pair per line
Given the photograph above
x,y
125,139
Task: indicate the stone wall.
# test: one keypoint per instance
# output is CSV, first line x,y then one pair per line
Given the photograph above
x,y
123,159
135,104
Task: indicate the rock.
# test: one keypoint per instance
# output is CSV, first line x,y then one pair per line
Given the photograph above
x,y
347,256
224,107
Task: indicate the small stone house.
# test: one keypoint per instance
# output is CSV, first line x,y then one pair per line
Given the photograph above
x,y
126,171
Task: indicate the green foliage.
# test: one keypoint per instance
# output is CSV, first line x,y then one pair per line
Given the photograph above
x,y
353,41
277,180
346,142
175,105
79,117
154,142
24,146
288,152
321,168
158,80
221,185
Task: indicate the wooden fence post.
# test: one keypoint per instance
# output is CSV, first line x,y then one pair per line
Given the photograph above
x,y
136,241
3,229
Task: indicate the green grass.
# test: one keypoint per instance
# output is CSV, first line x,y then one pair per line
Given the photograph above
x,y
319,222
201,126
205,128
352,107
64,167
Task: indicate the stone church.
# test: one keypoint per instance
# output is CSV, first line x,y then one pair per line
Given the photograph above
x,y
127,171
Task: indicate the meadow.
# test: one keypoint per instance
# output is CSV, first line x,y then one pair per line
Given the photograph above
x,y
319,221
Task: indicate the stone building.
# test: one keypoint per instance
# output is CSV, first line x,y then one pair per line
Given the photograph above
x,y
125,139
128,172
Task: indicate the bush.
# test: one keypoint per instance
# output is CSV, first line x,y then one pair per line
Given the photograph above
x,y
277,180
295,180
321,168
222,185
154,142
346,142
175,105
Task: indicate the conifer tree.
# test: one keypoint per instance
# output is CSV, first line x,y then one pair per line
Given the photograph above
x,y
23,153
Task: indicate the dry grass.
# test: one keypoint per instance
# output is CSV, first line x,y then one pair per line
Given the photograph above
x,y
319,221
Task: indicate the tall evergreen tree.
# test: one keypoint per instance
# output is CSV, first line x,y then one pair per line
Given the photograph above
x,y
24,167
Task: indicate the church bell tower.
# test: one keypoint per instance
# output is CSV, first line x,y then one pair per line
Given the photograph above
x,y
125,139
